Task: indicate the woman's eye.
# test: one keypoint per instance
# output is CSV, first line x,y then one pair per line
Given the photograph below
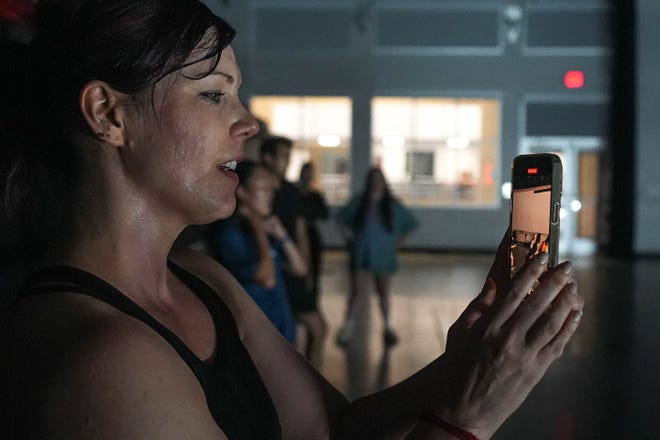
x,y
214,96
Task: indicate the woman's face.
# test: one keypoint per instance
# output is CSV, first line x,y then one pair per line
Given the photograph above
x,y
257,192
187,141
377,184
306,174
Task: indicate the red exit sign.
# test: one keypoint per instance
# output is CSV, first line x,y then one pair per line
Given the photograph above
x,y
574,79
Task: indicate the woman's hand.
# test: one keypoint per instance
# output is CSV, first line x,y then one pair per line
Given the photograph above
x,y
504,342
274,228
265,273
497,276
296,264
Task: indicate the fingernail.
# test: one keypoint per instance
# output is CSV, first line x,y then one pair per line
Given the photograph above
x,y
566,267
573,288
577,317
542,258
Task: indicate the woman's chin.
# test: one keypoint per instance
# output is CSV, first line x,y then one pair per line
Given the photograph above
x,y
222,212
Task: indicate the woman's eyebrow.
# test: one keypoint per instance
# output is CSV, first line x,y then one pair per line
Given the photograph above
x,y
230,79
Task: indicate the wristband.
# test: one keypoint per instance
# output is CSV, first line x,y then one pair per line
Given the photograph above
x,y
446,426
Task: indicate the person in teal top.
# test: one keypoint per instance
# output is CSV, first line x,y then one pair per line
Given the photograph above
x,y
373,224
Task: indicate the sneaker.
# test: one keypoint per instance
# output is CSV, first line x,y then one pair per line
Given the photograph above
x,y
390,338
344,335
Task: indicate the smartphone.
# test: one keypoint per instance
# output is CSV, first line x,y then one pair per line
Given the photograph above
x,y
535,203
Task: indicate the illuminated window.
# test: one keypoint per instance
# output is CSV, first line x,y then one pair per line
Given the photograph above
x,y
437,151
320,127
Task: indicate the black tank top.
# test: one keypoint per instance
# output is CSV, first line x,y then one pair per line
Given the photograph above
x,y
235,394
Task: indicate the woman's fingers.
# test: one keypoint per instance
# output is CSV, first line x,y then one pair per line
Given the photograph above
x,y
557,320
555,348
520,286
472,313
479,305
506,339
543,295
499,271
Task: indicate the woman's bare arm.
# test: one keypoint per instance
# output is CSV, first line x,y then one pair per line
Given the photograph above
x,y
296,263
265,274
497,351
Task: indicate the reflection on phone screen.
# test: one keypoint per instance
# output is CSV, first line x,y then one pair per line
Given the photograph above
x,y
530,224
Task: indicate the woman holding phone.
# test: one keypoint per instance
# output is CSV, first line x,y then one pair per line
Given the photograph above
x,y
125,115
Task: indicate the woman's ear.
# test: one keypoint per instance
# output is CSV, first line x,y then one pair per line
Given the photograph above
x,y
102,108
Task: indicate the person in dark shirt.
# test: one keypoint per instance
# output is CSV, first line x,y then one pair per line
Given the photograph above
x,y
314,209
288,206
274,155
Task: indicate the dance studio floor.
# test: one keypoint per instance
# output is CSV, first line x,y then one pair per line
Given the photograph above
x,y
606,385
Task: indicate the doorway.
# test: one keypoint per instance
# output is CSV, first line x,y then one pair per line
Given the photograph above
x,y
581,161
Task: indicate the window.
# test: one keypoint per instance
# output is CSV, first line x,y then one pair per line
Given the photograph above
x,y
437,151
419,165
320,127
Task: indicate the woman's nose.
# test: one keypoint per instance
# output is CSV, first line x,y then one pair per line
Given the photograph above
x,y
246,127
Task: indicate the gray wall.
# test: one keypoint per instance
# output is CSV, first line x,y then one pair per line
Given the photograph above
x,y
646,229
341,47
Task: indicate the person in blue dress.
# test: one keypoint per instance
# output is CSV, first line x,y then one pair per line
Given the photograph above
x,y
373,224
254,246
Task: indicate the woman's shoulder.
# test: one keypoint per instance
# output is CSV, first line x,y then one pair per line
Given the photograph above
x,y
66,327
218,278
351,205
66,351
399,206
396,201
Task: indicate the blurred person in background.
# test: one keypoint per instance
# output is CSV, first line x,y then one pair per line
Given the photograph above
x,y
373,223
257,250
309,312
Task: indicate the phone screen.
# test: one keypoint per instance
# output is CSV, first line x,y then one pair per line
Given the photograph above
x,y
534,209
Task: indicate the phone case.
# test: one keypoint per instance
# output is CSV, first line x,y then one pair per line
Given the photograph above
x,y
547,171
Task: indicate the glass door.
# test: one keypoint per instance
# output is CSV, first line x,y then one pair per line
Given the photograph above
x,y
581,161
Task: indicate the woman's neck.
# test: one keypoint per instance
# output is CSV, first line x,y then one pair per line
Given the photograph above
x,y
124,243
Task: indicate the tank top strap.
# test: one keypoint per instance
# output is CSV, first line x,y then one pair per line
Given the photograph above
x,y
235,393
58,279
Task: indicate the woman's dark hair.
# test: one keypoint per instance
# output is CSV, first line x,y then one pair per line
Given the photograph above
x,y
306,167
270,145
384,207
245,169
129,44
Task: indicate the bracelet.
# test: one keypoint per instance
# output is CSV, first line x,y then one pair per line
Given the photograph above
x,y
446,426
